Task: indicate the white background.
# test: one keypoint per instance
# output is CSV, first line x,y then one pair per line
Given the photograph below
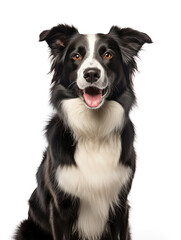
x,y
24,92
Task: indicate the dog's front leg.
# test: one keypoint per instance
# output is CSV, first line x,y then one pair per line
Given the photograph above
x,y
60,225
55,222
62,218
119,224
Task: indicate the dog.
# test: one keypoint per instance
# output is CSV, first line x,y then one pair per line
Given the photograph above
x,y
87,169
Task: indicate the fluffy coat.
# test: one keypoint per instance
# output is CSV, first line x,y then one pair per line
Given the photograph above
x,y
89,164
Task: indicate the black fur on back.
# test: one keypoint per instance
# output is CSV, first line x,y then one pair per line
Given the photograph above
x,y
52,212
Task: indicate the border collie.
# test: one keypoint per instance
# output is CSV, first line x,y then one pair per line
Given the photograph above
x,y
89,164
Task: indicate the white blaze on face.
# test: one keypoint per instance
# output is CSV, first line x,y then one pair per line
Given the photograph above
x,y
91,62
91,41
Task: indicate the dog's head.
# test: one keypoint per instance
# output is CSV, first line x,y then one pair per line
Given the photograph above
x,y
93,67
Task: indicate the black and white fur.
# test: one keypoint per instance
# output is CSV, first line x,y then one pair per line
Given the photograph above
x,y
89,164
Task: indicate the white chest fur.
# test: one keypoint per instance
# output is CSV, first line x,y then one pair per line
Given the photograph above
x,y
98,176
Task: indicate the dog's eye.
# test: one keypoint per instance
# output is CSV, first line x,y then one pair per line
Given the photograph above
x,y
107,55
77,57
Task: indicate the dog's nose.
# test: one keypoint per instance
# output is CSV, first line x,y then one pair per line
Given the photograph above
x,y
92,74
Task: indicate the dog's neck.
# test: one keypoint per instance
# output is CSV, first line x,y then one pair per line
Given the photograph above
x,y
97,123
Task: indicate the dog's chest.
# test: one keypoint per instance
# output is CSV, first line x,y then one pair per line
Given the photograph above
x,y
98,176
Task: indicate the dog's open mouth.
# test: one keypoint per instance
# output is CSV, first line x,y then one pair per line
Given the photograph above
x,y
93,96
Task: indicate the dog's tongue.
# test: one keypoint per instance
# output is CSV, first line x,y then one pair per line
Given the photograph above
x,y
93,100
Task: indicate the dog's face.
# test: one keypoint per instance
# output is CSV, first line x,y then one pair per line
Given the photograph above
x,y
94,67
90,62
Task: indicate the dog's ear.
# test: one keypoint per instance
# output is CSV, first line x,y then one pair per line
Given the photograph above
x,y
58,37
130,42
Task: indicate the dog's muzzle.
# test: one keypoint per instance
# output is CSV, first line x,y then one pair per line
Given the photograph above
x,y
94,91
